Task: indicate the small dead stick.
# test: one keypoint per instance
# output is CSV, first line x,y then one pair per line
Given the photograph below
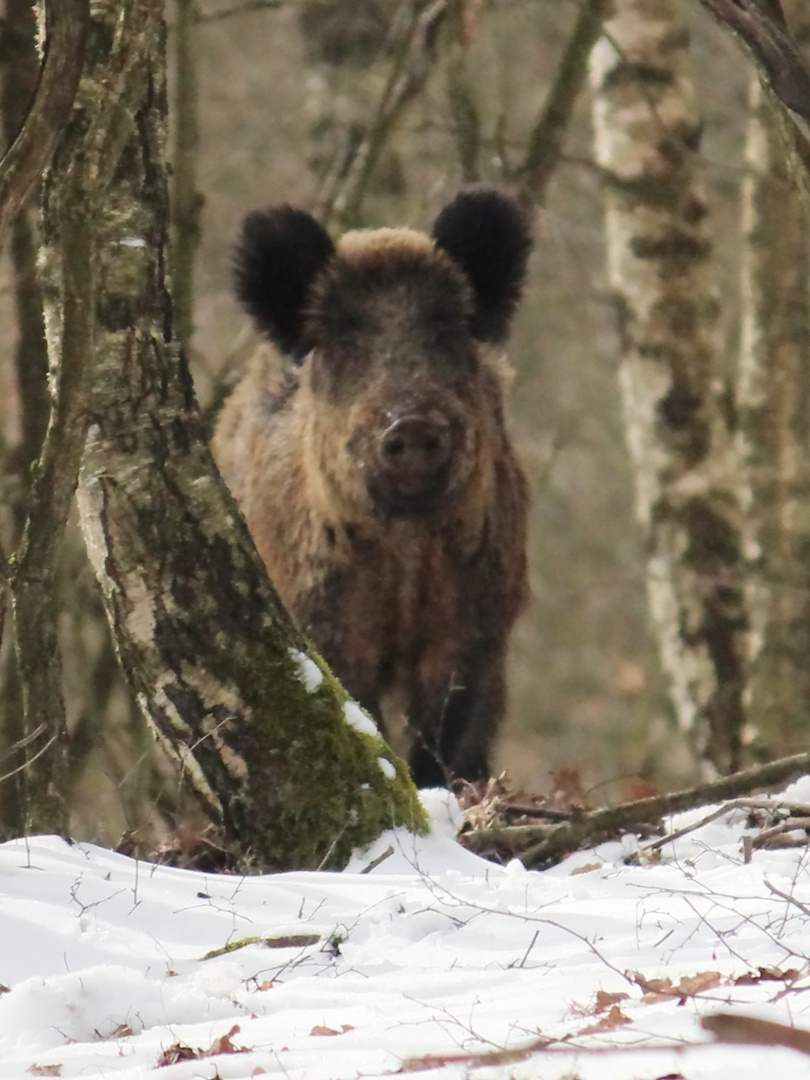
x,y
594,826
733,1028
473,1060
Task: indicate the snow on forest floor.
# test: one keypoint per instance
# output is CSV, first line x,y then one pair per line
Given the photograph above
x,y
434,962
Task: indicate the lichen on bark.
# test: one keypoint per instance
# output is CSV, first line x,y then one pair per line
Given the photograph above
x,y
203,640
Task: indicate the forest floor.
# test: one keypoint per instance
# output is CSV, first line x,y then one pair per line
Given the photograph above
x,y
433,961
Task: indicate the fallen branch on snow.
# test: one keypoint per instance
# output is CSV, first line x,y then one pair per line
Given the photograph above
x,y
543,845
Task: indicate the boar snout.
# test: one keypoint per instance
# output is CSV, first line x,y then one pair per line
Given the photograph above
x,y
413,450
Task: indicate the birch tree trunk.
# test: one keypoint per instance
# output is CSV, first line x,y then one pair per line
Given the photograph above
x,y
262,731
773,428
647,130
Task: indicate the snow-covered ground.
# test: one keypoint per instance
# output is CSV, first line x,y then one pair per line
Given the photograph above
x,y
434,961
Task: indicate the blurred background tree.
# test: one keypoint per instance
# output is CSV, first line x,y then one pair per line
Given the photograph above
x,y
374,113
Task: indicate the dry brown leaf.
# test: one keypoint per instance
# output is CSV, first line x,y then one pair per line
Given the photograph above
x,y
221,1045
177,1052
651,986
45,1070
587,868
604,1000
767,974
567,789
689,985
613,1019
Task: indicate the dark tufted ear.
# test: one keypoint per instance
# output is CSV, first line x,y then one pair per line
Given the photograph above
x,y
278,254
489,235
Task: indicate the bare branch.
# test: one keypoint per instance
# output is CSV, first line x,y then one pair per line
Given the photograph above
x,y
545,140
30,153
778,56
408,76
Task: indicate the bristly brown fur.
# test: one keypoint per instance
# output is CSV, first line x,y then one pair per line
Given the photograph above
x,y
381,487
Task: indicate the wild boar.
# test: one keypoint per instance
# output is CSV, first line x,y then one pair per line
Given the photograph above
x,y
369,455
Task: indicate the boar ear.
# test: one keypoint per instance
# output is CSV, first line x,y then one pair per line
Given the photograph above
x,y
489,235
278,254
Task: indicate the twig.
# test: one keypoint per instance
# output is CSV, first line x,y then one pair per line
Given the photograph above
x,y
764,839
21,744
389,851
28,156
27,764
545,140
289,941
805,910
407,77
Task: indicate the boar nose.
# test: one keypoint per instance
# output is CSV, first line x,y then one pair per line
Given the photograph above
x,y
415,447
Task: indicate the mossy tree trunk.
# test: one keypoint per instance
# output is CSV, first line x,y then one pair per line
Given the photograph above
x,y
263,733
647,130
773,410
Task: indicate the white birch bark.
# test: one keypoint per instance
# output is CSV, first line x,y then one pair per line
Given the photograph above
x,y
647,130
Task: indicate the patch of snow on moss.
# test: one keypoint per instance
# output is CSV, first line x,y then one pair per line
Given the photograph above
x,y
354,715
387,768
309,672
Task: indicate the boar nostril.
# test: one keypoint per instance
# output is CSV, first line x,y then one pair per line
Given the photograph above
x,y
415,445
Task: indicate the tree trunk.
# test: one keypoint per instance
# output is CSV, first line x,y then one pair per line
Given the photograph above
x,y
262,731
773,410
31,371
647,132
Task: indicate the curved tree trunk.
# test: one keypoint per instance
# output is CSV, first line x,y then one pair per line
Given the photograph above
x,y
263,732
647,131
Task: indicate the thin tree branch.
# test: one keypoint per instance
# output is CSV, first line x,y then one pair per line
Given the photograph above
x,y
29,154
408,76
767,36
546,138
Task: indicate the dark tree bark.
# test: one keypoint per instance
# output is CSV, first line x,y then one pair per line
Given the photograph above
x,y
34,566
30,360
186,199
